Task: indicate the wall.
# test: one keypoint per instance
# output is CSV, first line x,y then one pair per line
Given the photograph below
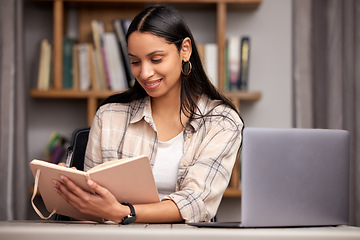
x,y
269,28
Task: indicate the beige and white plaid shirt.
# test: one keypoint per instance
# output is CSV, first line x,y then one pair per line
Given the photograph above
x,y
210,148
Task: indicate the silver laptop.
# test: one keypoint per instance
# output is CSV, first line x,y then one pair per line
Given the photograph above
x,y
293,177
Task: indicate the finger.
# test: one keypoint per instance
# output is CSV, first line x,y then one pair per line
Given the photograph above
x,y
77,198
71,188
103,192
62,191
74,203
62,164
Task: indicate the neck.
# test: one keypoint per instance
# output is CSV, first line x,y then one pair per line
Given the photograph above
x,y
166,106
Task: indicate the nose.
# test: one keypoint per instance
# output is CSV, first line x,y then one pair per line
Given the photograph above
x,y
146,71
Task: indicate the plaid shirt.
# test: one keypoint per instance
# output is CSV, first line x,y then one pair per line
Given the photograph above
x,y
210,149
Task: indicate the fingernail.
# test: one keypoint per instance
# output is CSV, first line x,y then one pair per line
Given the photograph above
x,y
90,182
55,182
56,190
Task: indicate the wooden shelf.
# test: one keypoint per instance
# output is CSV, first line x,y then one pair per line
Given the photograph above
x,y
71,94
244,95
254,3
74,94
231,192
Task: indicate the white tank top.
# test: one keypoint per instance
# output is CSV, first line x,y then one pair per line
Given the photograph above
x,y
166,165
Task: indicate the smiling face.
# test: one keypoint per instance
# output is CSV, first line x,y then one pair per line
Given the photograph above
x,y
156,64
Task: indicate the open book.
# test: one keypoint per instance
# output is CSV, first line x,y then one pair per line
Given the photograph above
x,y
130,180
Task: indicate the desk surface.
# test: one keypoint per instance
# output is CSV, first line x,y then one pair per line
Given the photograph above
x,y
63,230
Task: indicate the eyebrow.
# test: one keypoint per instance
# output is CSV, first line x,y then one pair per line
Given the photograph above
x,y
154,52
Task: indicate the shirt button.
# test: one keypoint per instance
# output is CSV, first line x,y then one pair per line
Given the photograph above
x,y
186,164
189,136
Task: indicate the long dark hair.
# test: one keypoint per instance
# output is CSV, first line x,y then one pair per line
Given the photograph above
x,y
166,22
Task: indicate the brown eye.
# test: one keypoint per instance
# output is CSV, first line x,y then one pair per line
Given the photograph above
x,y
158,60
134,62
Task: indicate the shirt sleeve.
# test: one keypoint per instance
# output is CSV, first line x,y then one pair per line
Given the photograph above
x,y
93,154
207,176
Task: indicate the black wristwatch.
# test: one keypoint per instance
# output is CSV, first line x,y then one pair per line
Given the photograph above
x,y
131,217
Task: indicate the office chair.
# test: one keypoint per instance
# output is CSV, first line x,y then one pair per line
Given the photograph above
x,y
75,155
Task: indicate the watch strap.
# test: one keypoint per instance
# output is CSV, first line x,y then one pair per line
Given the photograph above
x,y
129,218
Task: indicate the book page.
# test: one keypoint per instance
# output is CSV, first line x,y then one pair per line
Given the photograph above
x,y
110,164
52,200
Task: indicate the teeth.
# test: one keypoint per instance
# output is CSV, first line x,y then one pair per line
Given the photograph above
x,y
151,84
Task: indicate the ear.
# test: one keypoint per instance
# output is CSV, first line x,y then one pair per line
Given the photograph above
x,y
186,49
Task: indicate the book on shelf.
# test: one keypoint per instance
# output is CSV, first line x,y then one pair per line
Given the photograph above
x,y
84,66
114,64
105,65
233,62
120,28
67,81
94,74
96,29
44,71
75,67
211,62
98,83
208,53
237,63
129,180
244,65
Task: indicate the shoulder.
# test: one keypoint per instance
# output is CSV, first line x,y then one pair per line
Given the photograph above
x,y
121,106
218,111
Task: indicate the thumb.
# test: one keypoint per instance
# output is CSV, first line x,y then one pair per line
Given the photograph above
x,y
96,188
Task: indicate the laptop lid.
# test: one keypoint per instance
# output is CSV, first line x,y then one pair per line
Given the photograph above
x,y
295,177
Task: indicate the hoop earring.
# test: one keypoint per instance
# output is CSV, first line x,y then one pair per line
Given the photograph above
x,y
186,68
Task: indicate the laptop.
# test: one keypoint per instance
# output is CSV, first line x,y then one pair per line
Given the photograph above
x,y
293,177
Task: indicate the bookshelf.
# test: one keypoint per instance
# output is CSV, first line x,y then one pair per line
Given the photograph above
x,y
105,11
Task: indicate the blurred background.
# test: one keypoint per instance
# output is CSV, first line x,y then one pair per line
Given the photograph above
x,y
303,62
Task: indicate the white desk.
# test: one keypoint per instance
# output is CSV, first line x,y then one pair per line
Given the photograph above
x,y
31,230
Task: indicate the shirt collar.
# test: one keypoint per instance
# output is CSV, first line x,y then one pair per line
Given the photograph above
x,y
142,110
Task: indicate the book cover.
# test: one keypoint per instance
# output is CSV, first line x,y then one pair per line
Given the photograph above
x,y
94,70
67,63
97,71
105,58
96,33
75,67
115,65
44,65
234,62
120,35
84,66
211,62
244,64
130,180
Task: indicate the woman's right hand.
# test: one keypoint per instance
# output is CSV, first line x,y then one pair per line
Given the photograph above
x,y
62,164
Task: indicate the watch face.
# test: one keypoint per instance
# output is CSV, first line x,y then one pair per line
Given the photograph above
x,y
129,219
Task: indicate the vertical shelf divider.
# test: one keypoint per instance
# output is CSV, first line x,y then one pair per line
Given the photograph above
x,y
221,41
57,42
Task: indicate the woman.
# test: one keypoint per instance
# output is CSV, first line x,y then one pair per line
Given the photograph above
x,y
175,116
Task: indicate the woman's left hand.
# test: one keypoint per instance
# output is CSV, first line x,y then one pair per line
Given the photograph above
x,y
101,204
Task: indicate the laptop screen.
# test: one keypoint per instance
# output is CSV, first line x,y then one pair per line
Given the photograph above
x,y
295,177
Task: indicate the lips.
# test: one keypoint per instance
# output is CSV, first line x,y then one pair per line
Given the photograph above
x,y
152,84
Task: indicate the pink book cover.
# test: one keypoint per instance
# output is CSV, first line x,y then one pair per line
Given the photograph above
x,y
130,180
